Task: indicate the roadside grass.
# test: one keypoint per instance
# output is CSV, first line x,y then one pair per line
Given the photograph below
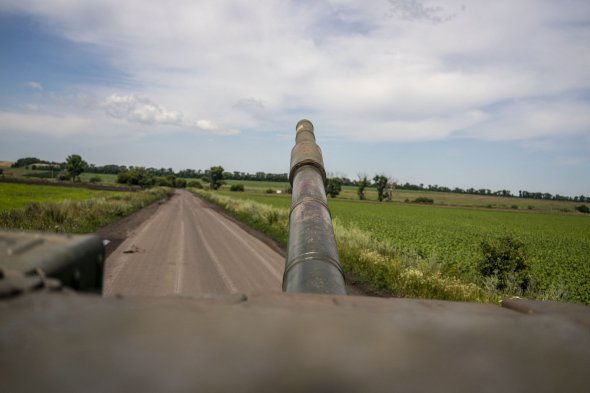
x,y
82,215
370,261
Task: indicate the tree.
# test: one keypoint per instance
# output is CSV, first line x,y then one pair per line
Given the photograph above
x,y
334,186
380,181
362,184
215,177
75,165
391,184
136,176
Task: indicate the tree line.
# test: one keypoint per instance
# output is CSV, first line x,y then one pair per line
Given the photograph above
x,y
142,176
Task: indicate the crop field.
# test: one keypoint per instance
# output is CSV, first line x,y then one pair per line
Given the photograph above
x,y
556,245
13,196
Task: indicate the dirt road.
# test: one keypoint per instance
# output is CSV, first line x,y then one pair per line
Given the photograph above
x,y
187,248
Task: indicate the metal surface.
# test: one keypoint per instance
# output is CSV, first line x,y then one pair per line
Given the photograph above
x,y
29,260
313,264
53,342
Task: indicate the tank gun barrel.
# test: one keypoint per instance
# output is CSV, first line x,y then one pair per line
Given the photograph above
x,y
312,264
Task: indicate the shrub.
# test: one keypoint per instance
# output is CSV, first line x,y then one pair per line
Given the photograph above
x,y
136,176
95,179
270,191
179,183
583,209
429,201
195,184
63,176
514,207
504,260
237,187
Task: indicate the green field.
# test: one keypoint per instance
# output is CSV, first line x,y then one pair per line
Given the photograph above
x,y
14,196
67,209
556,244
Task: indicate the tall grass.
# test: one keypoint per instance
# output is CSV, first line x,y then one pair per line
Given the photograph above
x,y
78,216
377,263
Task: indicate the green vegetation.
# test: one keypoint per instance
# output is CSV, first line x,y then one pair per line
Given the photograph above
x,y
14,196
452,244
75,165
214,177
237,187
69,210
333,186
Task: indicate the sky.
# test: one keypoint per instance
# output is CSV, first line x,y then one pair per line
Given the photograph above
x,y
483,94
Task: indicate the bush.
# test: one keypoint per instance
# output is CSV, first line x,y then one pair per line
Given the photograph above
x,y
63,176
237,187
195,184
136,176
270,191
583,209
429,201
180,183
504,260
514,207
95,179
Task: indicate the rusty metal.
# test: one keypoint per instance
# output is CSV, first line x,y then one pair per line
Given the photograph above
x,y
313,264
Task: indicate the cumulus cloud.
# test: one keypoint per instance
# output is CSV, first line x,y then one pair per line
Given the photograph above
x,y
478,75
139,109
142,110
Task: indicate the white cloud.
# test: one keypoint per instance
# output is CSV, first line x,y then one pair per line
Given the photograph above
x,y
392,66
144,111
34,85
139,109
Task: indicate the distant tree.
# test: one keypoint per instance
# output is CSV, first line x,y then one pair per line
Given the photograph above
x,y
137,176
23,162
215,177
362,183
333,186
75,165
380,181
391,184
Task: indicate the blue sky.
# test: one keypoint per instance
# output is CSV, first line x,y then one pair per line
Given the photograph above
x,y
456,93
